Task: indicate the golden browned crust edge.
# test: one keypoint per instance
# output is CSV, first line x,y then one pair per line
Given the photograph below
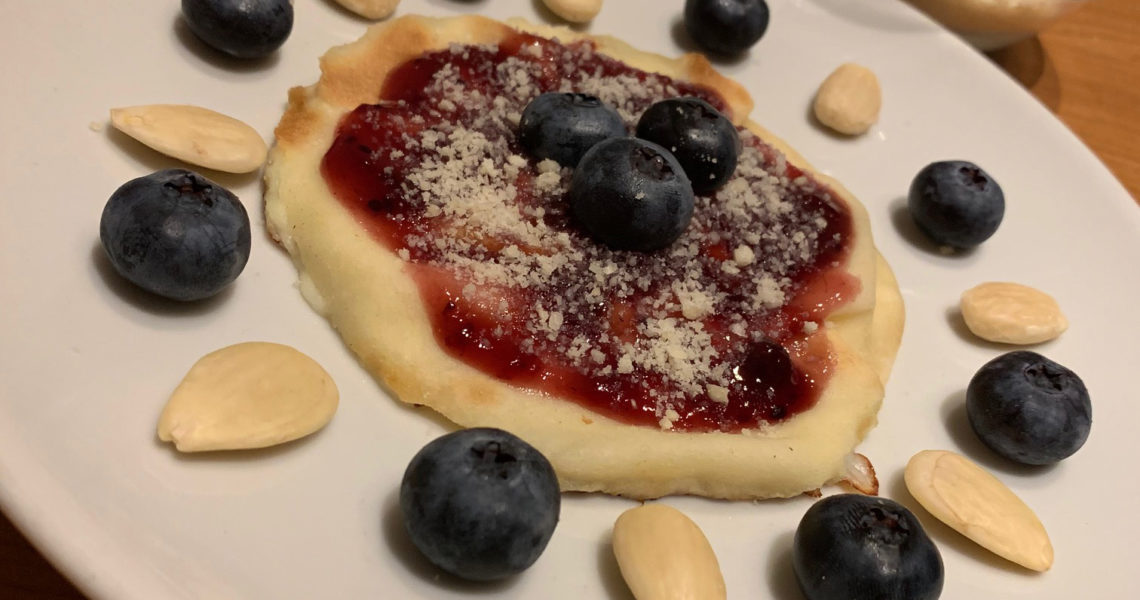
x,y
691,67
393,338
354,73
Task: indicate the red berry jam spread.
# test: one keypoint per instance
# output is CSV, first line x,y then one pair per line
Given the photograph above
x,y
718,332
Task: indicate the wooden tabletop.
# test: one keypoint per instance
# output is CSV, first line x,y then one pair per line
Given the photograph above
x,y
1086,69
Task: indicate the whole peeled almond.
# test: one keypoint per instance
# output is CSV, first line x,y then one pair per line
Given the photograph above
x,y
575,11
979,506
1012,313
371,9
248,395
849,100
194,134
663,555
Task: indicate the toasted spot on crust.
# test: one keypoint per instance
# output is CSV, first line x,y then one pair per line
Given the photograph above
x,y
296,124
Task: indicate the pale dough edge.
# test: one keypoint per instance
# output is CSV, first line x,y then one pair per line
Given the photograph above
x,y
376,308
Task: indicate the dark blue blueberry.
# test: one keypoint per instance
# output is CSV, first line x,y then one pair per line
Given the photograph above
x,y
631,194
726,26
703,140
563,126
480,504
853,546
241,28
1028,408
767,372
176,234
956,203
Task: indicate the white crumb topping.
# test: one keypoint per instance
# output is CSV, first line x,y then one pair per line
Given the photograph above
x,y
743,255
498,222
695,302
768,293
669,418
534,50
717,393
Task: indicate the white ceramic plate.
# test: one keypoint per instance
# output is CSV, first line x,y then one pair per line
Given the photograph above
x,y
86,362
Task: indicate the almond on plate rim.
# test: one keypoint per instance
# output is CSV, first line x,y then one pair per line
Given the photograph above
x,y
248,395
664,555
1012,313
849,100
977,505
195,135
375,10
574,11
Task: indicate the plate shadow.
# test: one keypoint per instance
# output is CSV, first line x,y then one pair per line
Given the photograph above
x,y
782,584
610,572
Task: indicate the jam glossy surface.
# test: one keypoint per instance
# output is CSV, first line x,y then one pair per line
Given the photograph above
x,y
720,332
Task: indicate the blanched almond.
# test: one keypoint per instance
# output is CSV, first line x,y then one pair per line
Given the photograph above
x,y
575,11
979,506
1012,313
249,395
663,555
371,9
194,134
849,100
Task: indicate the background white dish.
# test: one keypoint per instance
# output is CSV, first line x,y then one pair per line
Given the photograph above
x,y
86,362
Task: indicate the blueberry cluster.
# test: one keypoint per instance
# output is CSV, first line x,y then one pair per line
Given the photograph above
x,y
633,193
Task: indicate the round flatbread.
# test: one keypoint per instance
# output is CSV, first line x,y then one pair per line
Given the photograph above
x,y
371,290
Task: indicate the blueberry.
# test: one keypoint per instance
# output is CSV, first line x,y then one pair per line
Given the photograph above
x,y
480,504
726,26
563,126
1028,408
956,203
631,194
853,546
703,140
766,372
176,234
241,28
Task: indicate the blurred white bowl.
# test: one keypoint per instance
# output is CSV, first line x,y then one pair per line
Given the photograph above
x,y
992,24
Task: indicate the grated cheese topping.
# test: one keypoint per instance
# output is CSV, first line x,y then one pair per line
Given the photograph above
x,y
497,221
